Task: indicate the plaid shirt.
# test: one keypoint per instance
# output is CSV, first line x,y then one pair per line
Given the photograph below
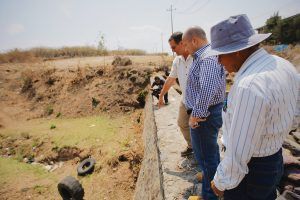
x,y
205,84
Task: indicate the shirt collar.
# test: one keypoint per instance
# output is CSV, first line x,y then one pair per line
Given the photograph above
x,y
250,60
200,51
182,58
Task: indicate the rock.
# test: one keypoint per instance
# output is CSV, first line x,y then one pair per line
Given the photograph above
x,y
24,189
289,187
292,146
25,160
119,61
187,163
294,176
48,167
60,164
289,159
296,136
288,195
54,167
297,190
100,72
40,158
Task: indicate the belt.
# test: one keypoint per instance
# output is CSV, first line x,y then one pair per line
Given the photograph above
x,y
189,111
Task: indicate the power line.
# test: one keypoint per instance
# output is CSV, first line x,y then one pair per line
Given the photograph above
x,y
196,10
190,7
201,7
162,43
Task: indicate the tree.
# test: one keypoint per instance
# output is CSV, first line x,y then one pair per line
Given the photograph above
x,y
284,31
102,50
101,42
273,25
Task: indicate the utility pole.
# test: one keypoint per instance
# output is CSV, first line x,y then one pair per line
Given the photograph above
x,y
162,44
171,10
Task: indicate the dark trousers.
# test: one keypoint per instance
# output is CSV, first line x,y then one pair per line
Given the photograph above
x,y
156,94
261,181
206,149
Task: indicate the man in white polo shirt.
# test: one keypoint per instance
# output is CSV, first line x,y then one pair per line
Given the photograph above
x,y
180,68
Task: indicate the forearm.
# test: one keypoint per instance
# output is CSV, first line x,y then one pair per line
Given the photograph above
x,y
246,128
168,84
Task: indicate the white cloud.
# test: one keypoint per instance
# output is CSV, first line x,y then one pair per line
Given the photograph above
x,y
14,29
146,28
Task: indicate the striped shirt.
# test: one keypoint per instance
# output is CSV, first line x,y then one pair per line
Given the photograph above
x,y
261,107
205,83
296,122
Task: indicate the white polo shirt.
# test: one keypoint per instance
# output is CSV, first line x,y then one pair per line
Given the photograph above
x,y
180,69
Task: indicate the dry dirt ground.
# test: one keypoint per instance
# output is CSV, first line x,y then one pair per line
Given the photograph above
x,y
54,114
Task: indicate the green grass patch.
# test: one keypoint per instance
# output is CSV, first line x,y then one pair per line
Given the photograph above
x,y
80,132
11,169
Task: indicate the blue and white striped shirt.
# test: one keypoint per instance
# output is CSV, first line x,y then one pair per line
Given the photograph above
x,y
261,107
205,83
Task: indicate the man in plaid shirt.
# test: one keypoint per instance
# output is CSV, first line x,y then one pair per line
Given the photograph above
x,y
205,93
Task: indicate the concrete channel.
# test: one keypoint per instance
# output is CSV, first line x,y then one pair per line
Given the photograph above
x,y
164,173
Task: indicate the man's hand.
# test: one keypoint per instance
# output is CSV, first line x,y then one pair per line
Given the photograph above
x,y
217,192
160,101
193,121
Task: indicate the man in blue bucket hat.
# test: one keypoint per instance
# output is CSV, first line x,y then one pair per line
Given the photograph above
x,y
260,110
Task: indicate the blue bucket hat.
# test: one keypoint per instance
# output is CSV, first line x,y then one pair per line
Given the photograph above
x,y
232,35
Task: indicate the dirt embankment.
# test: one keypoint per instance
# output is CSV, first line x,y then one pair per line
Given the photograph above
x,y
34,93
31,96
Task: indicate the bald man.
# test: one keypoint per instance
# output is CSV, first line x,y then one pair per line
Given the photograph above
x,y
205,93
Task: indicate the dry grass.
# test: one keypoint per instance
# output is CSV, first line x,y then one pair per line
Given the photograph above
x,y
133,52
68,52
17,56
43,53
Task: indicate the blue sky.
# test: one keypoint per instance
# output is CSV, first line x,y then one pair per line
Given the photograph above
x,y
140,24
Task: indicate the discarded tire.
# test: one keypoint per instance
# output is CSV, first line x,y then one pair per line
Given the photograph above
x,y
86,167
70,189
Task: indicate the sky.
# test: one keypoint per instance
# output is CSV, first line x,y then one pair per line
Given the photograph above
x,y
129,24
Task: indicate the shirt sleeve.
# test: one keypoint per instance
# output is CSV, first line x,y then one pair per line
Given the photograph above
x,y
174,71
247,125
209,81
296,120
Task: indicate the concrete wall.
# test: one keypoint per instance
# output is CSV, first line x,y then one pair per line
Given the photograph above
x,y
149,184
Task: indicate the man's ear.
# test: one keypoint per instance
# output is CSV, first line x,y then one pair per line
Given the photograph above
x,y
194,41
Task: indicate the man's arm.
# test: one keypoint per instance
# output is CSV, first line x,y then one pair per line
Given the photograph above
x,y
249,112
168,84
